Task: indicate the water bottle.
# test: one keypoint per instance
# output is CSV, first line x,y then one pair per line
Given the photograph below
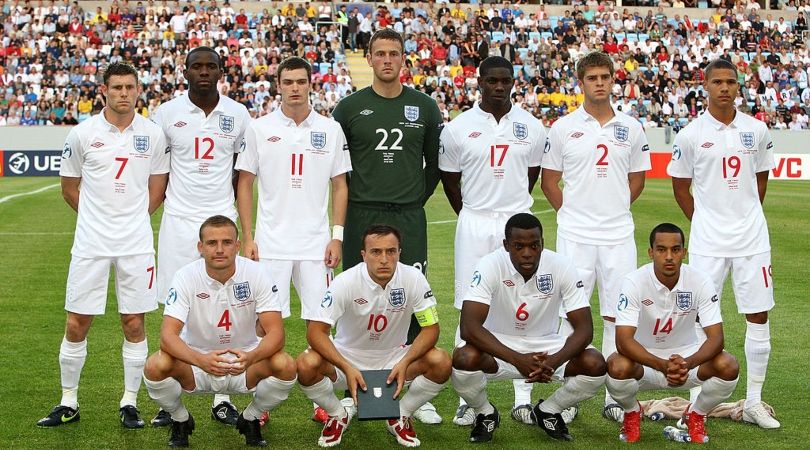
x,y
656,416
674,434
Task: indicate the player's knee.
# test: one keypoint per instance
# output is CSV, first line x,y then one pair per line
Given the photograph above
x,y
283,366
439,365
727,366
307,365
467,358
758,318
593,363
158,366
620,367
133,327
76,327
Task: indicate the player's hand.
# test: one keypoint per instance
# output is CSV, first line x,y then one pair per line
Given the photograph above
x,y
526,364
215,363
334,253
250,250
354,380
397,374
242,362
677,370
545,368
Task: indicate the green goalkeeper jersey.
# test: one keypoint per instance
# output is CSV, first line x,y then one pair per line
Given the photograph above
x,y
393,144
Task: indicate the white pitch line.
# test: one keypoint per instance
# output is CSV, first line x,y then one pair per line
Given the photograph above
x,y
439,222
36,191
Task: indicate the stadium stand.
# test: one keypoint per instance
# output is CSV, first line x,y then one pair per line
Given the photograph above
x,y
54,51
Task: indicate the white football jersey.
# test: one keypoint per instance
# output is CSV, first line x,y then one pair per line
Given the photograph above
x,y
664,319
216,315
723,162
493,157
202,150
368,317
114,166
294,165
526,308
595,162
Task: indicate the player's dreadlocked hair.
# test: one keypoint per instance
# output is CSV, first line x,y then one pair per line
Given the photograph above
x,y
522,221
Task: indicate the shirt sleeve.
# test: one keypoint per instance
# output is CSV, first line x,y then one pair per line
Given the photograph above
x,y
536,155
422,292
342,161
239,143
333,303
627,306
483,284
552,153
449,152
248,159
708,304
640,155
177,301
72,156
682,164
267,299
572,291
161,156
765,154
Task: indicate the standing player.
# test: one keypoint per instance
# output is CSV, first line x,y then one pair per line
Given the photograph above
x,y
657,347
489,162
725,156
509,327
371,304
204,131
208,339
296,154
601,156
393,135
114,166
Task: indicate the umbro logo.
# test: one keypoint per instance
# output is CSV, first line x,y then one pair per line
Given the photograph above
x,y
97,144
202,296
707,144
550,424
180,124
508,283
366,112
273,139
474,134
647,302
577,135
490,425
360,301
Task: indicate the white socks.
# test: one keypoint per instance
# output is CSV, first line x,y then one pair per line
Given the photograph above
x,y
420,392
714,391
624,392
574,390
219,398
757,351
71,361
608,347
166,393
134,355
270,392
523,392
323,393
472,387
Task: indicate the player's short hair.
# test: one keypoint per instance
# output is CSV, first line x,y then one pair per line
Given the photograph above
x,y
595,58
522,221
218,221
203,49
381,229
665,227
119,69
719,64
294,63
494,62
387,34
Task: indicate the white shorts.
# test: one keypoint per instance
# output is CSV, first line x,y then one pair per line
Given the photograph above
x,y
604,265
88,278
478,233
177,246
654,379
205,383
368,360
310,278
750,275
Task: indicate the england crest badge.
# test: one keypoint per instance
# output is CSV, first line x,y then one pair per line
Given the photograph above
x,y
226,123
621,132
141,143
241,291
411,113
318,139
520,130
397,297
684,300
747,138
545,283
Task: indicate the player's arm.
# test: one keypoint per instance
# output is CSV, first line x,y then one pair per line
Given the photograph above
x,y
70,191
534,174
711,347
578,340
340,201
550,184
271,343
171,344
636,180
319,340
762,184
430,152
628,346
157,190
244,205
473,315
451,183
680,187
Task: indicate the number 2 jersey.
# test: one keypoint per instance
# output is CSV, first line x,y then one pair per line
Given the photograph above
x,y
665,319
526,308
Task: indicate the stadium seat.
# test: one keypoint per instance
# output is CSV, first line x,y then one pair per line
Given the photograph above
x,y
671,121
497,36
516,69
523,52
643,37
591,27
534,34
553,21
703,4
647,103
324,67
545,110
683,121
547,35
632,37
619,37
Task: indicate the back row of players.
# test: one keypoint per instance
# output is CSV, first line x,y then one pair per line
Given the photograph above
x,y
388,141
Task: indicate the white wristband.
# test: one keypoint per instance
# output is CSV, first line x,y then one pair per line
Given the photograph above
x,y
337,232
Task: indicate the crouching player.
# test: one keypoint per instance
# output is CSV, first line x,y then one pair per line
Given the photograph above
x,y
657,346
208,340
371,305
509,324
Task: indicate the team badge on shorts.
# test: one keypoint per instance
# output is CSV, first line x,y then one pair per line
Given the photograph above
x,y
747,139
397,297
226,123
411,113
141,143
545,283
520,130
621,132
684,301
241,291
318,139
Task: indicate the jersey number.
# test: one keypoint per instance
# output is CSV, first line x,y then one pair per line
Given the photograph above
x,y
493,151
603,159
732,163
206,154
521,314
767,274
382,145
151,271
123,162
297,164
377,322
666,329
225,320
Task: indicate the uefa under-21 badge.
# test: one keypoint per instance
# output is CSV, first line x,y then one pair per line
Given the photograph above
x,y
411,113
622,302
684,300
318,139
172,297
226,123
141,143
747,138
397,297
545,283
520,130
67,152
241,291
327,300
476,279
621,132
676,153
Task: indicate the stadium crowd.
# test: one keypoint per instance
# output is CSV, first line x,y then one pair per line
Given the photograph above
x,y
53,51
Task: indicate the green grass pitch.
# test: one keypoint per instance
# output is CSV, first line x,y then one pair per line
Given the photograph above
x,y
37,232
